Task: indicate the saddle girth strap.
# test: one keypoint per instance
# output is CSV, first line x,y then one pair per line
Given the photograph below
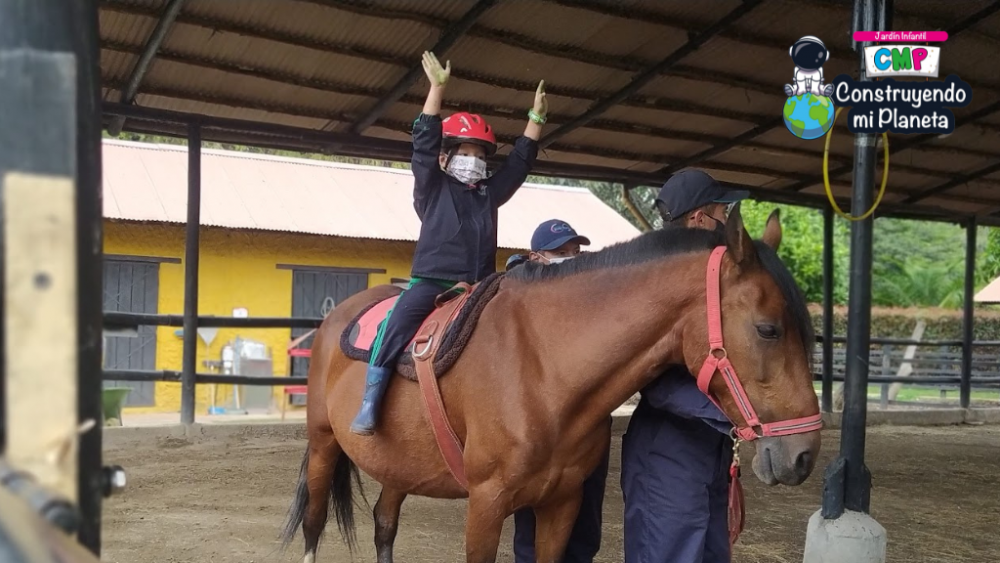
x,y
425,347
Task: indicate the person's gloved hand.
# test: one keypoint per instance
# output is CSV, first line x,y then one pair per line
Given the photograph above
x,y
436,74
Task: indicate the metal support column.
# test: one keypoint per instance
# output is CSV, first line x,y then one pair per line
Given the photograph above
x,y
189,364
848,481
968,314
50,128
827,396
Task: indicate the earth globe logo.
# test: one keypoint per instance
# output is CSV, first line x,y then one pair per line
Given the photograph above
x,y
808,116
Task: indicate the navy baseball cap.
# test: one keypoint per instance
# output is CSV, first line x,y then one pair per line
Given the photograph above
x,y
554,233
514,260
691,189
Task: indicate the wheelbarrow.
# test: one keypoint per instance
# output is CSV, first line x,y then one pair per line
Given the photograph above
x,y
112,399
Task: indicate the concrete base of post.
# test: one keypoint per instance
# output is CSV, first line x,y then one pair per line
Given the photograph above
x,y
855,537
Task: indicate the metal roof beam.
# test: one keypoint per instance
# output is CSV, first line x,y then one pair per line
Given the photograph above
x,y
384,57
403,127
717,150
640,14
720,143
901,146
694,42
526,43
448,38
569,52
964,179
282,137
652,103
145,60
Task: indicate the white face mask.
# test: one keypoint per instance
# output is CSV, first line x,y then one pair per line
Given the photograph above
x,y
467,169
558,260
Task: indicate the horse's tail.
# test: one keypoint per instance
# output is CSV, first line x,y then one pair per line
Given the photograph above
x,y
342,498
298,509
341,501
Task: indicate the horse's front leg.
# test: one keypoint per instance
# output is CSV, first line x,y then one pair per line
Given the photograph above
x,y
554,523
489,504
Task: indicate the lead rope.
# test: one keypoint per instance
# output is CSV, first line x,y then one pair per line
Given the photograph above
x,y
737,514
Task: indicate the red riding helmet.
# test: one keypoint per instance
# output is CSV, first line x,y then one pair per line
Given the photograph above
x,y
465,127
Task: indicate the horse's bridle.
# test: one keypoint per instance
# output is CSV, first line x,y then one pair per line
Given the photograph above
x,y
718,361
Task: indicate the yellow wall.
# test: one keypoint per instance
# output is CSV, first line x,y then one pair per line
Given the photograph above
x,y
238,269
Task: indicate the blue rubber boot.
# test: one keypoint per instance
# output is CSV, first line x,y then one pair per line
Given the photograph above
x,y
376,382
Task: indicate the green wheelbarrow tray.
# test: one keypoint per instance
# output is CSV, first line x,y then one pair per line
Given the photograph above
x,y
112,399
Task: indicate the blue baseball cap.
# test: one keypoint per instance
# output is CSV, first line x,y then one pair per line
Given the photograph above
x,y
691,189
554,233
514,260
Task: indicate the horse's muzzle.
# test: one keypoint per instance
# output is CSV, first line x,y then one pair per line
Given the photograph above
x,y
788,460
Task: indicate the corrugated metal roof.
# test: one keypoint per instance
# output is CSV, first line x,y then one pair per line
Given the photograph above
x,y
240,190
322,64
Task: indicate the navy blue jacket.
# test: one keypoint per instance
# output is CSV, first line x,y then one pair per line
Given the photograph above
x,y
677,392
458,231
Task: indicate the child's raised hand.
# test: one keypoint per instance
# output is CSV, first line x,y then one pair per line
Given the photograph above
x,y
435,73
541,106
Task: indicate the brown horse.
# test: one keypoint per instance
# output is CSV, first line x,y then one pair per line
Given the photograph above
x,y
554,353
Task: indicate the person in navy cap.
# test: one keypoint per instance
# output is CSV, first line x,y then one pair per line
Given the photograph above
x,y
693,199
556,241
677,451
553,241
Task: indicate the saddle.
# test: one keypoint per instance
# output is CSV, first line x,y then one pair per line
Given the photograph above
x,y
446,331
448,328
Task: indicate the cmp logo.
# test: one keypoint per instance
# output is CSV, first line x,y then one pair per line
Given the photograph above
x,y
560,228
882,61
908,107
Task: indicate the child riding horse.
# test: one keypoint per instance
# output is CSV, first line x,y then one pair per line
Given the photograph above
x,y
457,205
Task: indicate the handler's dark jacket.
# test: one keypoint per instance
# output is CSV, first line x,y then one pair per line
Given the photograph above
x,y
458,232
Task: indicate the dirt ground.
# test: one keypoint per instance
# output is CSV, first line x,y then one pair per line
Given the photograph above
x,y
935,490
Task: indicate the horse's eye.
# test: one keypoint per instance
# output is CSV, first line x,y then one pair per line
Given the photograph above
x,y
770,332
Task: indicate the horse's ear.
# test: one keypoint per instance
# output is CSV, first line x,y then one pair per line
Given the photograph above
x,y
772,231
738,241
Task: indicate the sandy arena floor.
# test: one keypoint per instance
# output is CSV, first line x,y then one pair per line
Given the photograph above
x,y
935,490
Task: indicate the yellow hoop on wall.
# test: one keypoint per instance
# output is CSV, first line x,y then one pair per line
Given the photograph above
x,y
826,173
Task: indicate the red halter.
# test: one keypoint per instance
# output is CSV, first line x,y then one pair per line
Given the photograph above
x,y
721,364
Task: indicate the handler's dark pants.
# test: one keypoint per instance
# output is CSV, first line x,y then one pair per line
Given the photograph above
x,y
675,482
403,322
585,539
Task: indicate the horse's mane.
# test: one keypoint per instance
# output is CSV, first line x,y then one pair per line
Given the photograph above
x,y
673,241
795,301
651,245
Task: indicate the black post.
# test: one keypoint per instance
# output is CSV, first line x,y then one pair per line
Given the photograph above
x,y
827,309
848,481
40,134
968,314
189,364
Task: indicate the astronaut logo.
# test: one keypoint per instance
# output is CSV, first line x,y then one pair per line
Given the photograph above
x,y
808,111
809,54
